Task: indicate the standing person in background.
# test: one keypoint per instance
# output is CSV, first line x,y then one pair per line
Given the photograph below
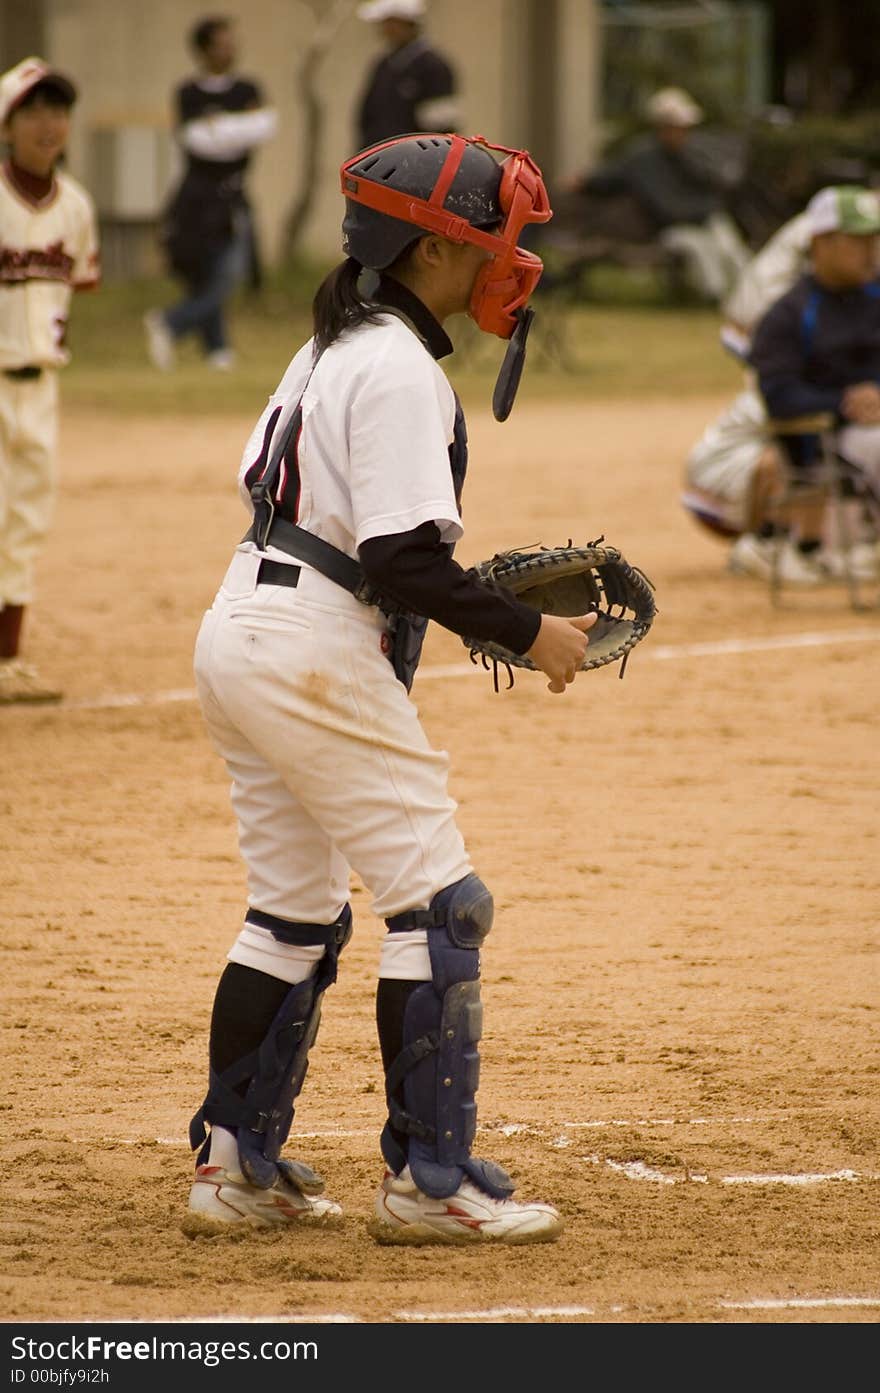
x,y
680,190
48,249
412,87
208,229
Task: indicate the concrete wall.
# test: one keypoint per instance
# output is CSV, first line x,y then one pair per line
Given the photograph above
x,y
527,74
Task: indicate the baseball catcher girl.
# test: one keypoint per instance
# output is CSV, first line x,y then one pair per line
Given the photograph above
x,y
353,478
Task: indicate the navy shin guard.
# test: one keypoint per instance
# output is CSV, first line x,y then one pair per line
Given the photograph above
x,y
439,1064
256,1095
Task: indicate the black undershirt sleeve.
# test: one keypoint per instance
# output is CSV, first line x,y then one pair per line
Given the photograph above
x,y
416,569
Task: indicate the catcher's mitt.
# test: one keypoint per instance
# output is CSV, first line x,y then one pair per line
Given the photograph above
x,y
569,581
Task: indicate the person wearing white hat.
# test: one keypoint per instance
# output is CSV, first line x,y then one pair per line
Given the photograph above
x,y
412,87
816,350
672,106
680,192
48,249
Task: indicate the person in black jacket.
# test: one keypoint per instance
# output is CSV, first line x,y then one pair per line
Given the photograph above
x,y
207,230
412,87
817,350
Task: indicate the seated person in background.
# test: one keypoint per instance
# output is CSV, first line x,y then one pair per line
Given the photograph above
x,y
680,191
817,349
733,474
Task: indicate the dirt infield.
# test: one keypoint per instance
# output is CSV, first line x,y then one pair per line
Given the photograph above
x,y
682,1016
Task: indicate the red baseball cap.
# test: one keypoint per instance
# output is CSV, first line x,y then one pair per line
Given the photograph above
x,y
24,77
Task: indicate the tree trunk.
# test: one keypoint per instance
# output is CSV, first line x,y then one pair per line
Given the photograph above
x,y
326,28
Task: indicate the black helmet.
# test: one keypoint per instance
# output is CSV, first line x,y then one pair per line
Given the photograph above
x,y
412,165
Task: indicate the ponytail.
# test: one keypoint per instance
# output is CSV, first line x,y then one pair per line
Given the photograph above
x,y
339,304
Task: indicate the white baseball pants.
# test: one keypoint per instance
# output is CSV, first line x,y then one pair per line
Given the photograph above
x,y
715,252
28,445
330,766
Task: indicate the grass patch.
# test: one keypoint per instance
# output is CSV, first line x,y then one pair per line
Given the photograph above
x,y
626,342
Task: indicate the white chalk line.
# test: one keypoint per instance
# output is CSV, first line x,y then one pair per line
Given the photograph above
x,y
442,671
799,1303
506,1129
660,653
663,653
638,1170
498,1313
530,1313
631,1170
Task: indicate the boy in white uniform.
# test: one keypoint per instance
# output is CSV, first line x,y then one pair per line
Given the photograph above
x,y
48,249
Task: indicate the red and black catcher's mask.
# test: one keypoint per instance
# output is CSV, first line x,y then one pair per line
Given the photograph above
x,y
452,186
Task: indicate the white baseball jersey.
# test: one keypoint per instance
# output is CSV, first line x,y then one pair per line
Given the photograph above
x,y
377,420
771,272
48,248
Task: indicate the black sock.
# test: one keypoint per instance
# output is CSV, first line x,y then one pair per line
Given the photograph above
x,y
808,545
391,999
11,619
245,1005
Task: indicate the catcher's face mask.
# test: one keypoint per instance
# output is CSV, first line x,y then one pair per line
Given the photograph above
x,y
506,281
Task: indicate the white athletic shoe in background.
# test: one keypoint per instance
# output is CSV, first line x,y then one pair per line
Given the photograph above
x,y
863,561
404,1214
219,1197
753,556
19,682
221,360
160,341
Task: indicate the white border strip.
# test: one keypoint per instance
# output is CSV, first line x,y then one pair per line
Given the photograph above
x,y
529,1313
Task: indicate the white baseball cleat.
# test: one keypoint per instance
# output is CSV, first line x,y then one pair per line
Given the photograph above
x,y
19,682
754,556
404,1214
862,561
219,1197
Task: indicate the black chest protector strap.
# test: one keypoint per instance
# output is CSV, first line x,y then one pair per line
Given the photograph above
x,y
263,489
337,565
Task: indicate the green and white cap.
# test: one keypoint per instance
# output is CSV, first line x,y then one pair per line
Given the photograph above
x,y
846,208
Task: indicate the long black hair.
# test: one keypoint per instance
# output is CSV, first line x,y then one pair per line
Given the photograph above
x,y
340,304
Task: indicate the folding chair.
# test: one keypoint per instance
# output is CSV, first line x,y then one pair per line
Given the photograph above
x,y
831,481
